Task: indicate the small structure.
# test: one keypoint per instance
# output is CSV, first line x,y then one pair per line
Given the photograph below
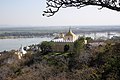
x,y
20,52
85,41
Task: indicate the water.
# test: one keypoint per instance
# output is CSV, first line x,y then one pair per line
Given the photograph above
x,y
9,44
95,32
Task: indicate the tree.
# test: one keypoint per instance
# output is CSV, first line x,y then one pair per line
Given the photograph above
x,y
89,39
54,6
46,47
66,48
79,45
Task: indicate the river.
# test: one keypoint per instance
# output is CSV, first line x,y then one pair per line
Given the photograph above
x,y
9,44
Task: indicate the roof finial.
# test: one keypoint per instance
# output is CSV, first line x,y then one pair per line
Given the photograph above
x,y
69,29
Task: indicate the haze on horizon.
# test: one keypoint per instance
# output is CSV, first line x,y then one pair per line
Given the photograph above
x,y
29,13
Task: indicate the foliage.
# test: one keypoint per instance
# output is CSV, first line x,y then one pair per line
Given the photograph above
x,y
66,48
79,45
87,65
46,47
108,62
89,39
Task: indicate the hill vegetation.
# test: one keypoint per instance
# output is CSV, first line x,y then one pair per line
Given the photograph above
x,y
85,63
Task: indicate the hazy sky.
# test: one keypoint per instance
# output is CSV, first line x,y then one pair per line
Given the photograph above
x,y
29,13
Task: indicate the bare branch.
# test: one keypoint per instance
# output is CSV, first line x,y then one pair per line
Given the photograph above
x,y
54,6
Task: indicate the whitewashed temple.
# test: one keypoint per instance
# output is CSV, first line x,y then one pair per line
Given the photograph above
x,y
68,37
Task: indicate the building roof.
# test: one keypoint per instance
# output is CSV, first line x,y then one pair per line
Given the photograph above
x,y
64,38
70,33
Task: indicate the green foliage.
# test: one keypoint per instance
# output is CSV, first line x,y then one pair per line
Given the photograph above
x,y
108,62
66,48
89,39
79,45
46,47
102,65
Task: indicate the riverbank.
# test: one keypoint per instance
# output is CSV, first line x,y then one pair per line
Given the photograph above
x,y
15,35
14,44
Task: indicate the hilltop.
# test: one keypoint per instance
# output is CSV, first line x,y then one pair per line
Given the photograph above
x,y
85,63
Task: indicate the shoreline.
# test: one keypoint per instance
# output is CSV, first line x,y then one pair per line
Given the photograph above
x,y
13,44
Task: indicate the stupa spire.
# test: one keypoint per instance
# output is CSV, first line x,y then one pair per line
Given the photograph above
x,y
70,29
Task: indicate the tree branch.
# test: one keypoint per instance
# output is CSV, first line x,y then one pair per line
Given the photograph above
x,y
53,6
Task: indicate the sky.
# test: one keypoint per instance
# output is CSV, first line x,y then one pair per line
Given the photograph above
x,y
29,13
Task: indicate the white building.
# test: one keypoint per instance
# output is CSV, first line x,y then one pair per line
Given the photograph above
x,y
68,37
20,52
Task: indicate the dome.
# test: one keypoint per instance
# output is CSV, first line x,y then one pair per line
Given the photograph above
x,y
70,33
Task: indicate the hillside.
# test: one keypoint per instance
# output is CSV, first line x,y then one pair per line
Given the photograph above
x,y
85,63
